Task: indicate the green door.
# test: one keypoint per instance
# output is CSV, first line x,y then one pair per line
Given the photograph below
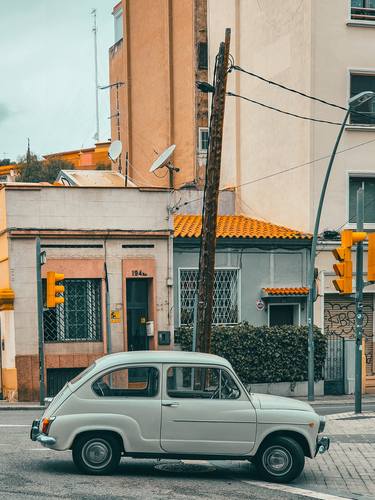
x,y
137,313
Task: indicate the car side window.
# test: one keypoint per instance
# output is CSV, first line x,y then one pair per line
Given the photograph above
x,y
128,382
200,383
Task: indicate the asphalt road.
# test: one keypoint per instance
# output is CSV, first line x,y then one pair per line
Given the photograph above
x,y
27,470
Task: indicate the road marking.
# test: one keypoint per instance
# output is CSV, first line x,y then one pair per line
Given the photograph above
x,y
14,425
294,490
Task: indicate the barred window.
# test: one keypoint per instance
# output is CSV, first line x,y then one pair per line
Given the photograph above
x,y
226,297
79,319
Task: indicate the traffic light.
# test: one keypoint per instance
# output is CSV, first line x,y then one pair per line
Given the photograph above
x,y
53,289
344,269
371,257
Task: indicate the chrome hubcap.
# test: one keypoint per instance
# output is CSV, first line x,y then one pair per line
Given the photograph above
x,y
277,460
96,453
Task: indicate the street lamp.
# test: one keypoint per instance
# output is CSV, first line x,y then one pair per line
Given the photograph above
x,y
354,102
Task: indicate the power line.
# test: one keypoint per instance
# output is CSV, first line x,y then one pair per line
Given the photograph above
x,y
295,167
298,92
232,94
284,87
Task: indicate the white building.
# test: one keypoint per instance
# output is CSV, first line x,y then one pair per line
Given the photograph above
x,y
324,49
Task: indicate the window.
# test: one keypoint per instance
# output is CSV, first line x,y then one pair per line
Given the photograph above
x,y
202,55
363,10
369,198
203,139
118,20
226,300
134,382
79,318
360,83
281,314
202,383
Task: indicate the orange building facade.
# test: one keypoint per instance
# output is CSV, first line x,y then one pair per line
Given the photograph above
x,y
84,159
155,62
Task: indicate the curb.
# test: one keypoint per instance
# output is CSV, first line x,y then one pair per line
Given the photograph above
x,y
20,407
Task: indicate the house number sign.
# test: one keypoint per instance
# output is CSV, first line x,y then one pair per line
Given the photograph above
x,y
138,272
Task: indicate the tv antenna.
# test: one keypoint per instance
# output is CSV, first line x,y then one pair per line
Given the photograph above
x,y
164,160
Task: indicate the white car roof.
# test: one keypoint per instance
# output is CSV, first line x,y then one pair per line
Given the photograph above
x,y
160,357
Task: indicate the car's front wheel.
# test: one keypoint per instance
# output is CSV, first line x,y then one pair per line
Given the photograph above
x,y
280,459
96,454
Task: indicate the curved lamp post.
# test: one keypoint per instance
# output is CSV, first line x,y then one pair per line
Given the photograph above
x,y
354,102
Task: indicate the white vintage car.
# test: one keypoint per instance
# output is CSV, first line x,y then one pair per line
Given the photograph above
x,y
173,404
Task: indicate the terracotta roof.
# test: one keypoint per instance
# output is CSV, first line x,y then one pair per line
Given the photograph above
x,y
235,226
286,291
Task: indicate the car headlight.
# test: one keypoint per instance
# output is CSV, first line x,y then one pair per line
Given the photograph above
x,y
322,424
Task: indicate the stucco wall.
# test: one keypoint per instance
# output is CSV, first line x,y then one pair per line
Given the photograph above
x,y
274,40
86,208
157,105
258,269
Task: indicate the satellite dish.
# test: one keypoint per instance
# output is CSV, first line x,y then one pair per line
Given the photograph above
x,y
115,150
163,159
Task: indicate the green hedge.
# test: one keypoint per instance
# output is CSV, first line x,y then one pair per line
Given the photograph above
x,y
262,354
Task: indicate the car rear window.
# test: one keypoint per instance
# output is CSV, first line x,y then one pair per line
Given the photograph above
x,y
78,377
140,381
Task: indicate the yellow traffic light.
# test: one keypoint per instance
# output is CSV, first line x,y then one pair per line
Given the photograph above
x,y
53,289
371,257
344,269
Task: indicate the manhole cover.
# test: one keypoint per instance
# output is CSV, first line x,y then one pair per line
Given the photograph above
x,y
186,468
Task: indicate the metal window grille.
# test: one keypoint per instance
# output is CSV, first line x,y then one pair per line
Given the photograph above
x,y
226,300
79,319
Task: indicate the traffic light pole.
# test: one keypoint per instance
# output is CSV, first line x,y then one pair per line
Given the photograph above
x,y
359,305
42,389
311,276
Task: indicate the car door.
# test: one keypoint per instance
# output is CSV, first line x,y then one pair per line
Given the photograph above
x,y
205,411
130,396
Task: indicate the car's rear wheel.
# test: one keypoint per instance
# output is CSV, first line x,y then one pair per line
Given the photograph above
x,y
96,454
280,459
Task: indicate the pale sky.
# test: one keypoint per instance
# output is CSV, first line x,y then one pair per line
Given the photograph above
x,y
47,86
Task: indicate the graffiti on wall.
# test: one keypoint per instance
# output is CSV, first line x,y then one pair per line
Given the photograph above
x,y
339,320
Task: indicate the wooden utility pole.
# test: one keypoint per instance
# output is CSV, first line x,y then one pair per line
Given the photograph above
x,y
210,208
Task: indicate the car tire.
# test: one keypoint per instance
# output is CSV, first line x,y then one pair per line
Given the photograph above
x,y
280,459
96,453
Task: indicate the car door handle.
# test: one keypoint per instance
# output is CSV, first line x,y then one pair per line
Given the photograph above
x,y
172,403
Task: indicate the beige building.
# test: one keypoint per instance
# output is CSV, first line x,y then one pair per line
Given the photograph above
x,y
154,63
278,162
88,234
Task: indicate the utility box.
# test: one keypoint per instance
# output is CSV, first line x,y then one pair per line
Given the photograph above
x,y
164,337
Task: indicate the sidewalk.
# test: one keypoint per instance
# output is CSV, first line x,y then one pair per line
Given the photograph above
x,y
346,471
346,399
19,405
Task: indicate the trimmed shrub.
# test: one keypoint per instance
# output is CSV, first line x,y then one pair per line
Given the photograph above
x,y
262,354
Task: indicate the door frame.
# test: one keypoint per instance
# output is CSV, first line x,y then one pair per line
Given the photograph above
x,y
131,268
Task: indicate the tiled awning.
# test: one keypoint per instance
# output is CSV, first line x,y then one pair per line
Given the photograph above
x,y
285,292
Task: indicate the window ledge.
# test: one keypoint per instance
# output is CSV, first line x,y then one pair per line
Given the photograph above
x,y
361,128
361,24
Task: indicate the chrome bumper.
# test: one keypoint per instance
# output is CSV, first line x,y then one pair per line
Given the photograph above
x,y
322,445
46,440
36,435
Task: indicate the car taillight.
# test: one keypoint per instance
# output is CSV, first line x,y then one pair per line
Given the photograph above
x,y
46,424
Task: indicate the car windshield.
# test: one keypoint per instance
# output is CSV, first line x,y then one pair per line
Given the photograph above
x,y
82,374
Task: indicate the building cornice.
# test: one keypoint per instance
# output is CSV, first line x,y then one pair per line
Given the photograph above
x,y
84,233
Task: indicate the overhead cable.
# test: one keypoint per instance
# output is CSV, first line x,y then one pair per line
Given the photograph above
x,y
308,118
298,92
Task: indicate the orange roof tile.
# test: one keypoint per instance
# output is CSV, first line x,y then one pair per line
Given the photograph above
x,y
234,226
286,291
